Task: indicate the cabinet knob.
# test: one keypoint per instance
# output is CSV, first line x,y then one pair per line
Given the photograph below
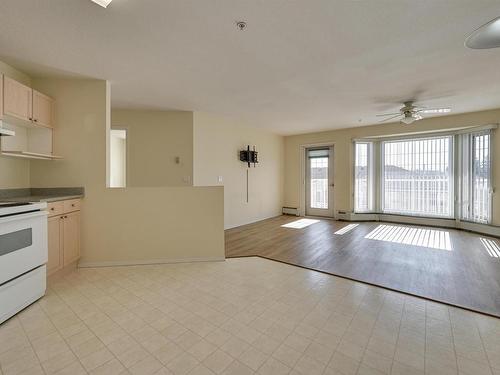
x,y
72,205
35,120
52,209
30,118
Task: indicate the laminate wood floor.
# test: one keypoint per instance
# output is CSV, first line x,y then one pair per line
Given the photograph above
x,y
445,265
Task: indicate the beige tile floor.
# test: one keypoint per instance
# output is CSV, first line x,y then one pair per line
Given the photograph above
x,y
241,316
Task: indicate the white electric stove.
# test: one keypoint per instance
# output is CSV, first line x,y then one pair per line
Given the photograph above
x,y
23,254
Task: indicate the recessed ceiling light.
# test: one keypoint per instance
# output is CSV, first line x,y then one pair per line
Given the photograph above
x,y
103,3
487,36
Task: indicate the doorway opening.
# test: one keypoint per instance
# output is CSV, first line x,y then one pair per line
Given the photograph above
x,y
319,181
118,158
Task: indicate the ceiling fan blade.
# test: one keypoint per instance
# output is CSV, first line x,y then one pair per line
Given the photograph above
x,y
389,114
434,110
391,118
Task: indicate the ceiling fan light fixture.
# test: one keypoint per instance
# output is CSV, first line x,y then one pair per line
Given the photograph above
x,y
487,36
103,3
410,118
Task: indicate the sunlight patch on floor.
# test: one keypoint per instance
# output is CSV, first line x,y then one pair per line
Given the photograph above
x,y
346,229
299,224
431,238
491,247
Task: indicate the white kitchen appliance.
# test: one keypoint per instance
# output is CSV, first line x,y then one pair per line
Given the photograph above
x,y
23,254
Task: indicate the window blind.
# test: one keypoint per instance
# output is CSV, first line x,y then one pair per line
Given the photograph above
x,y
363,173
417,177
476,177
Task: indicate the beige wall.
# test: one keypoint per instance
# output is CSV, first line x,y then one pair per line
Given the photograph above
x,y
130,225
342,139
217,142
154,140
14,172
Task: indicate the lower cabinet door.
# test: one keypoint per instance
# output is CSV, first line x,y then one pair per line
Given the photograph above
x,y
55,245
71,236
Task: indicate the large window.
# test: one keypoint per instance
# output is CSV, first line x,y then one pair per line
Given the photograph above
x,y
422,176
476,177
417,177
363,177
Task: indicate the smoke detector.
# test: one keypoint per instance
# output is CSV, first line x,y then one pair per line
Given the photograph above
x,y
241,25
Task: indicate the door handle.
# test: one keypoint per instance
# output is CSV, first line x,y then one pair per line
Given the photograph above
x,y
332,185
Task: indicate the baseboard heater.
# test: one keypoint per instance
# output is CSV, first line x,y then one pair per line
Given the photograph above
x,y
290,211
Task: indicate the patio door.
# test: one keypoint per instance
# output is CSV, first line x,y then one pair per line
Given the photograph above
x,y
319,181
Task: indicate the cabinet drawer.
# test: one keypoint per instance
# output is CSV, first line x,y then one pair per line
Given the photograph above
x,y
55,208
72,205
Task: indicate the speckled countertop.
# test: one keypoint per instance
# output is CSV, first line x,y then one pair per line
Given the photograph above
x,y
42,198
41,194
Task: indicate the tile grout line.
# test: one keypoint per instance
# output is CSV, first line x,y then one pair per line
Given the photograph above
x,y
399,332
425,337
85,324
65,339
31,344
97,288
482,345
175,320
453,338
371,334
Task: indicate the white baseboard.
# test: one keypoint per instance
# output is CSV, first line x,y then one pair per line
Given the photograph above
x,y
350,216
252,221
431,222
116,263
490,230
479,228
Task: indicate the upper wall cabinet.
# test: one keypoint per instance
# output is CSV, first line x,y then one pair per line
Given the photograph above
x,y
43,109
17,100
30,114
21,102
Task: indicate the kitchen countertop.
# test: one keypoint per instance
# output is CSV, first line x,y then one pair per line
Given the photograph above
x,y
41,198
41,194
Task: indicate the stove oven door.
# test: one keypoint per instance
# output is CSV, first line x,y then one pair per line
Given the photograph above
x,y
23,244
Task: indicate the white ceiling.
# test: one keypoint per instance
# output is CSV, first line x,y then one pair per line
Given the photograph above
x,y
300,66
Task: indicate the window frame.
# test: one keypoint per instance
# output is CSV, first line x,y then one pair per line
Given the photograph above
x,y
451,166
456,170
467,140
370,179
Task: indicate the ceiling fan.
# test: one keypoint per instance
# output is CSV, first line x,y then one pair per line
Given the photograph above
x,y
410,113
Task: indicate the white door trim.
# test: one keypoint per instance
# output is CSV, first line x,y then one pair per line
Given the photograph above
x,y
302,190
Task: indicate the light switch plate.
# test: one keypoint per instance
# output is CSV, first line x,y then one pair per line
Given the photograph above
x,y
219,179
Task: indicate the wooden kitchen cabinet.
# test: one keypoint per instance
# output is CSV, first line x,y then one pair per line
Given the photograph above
x,y
17,99
71,250
43,109
21,102
55,235
63,234
30,114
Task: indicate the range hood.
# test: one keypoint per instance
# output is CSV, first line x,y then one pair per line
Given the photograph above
x,y
5,132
